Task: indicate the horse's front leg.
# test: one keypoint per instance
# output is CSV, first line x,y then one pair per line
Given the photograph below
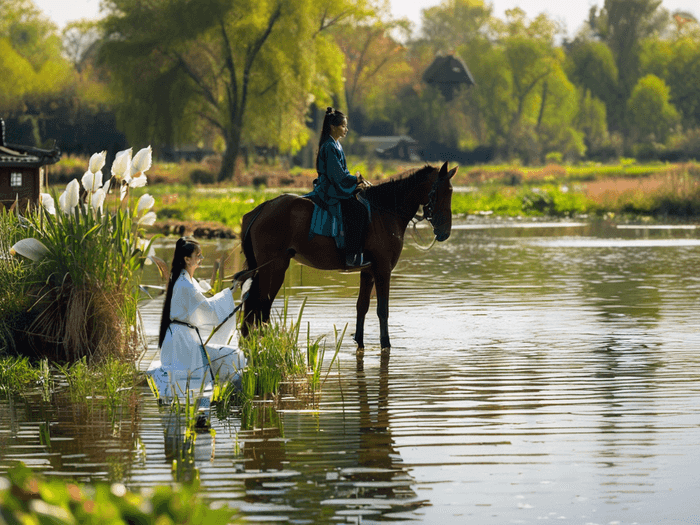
x,y
382,285
366,283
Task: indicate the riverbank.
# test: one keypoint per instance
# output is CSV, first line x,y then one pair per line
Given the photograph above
x,y
190,203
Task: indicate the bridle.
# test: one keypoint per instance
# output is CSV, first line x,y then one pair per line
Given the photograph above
x,y
428,211
429,207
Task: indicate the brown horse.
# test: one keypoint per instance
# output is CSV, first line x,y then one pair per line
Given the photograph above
x,y
278,230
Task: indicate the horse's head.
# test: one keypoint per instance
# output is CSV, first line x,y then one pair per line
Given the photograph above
x,y
438,209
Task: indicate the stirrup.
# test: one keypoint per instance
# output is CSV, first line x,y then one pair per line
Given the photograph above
x,y
358,261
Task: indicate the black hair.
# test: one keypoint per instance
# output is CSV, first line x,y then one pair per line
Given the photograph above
x,y
333,118
184,247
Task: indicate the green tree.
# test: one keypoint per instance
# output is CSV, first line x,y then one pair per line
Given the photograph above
x,y
34,76
591,121
591,66
652,116
623,24
677,62
247,70
375,63
455,23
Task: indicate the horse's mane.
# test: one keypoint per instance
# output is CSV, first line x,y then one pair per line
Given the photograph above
x,y
385,194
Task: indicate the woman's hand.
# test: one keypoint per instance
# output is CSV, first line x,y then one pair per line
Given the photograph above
x,y
362,183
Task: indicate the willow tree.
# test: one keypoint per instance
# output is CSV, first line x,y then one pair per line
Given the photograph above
x,y
246,69
33,74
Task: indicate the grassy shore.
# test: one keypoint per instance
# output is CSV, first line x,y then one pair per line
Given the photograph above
x,y
186,197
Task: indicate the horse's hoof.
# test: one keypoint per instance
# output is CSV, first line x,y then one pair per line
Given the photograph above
x,y
386,350
360,352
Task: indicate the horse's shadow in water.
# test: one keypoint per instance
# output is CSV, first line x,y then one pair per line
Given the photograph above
x,y
278,230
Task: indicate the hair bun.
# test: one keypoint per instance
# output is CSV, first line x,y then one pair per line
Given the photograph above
x,y
329,110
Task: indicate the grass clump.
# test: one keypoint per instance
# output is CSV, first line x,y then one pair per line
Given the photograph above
x,y
108,382
273,354
17,375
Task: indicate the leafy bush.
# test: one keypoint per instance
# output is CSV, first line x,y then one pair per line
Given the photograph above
x,y
28,498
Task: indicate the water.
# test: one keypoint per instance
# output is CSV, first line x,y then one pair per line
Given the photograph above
x,y
538,372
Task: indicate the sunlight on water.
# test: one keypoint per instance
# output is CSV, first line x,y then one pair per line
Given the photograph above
x,y
536,374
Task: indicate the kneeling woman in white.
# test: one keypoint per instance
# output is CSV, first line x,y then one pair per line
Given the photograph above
x,y
185,312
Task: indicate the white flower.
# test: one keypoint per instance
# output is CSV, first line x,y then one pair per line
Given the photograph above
x,y
122,164
97,161
30,248
148,220
107,185
98,199
141,162
48,203
137,182
69,198
146,202
123,191
142,244
92,181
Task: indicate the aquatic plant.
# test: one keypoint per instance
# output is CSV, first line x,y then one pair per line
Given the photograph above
x,y
86,260
272,354
13,281
108,382
16,375
26,497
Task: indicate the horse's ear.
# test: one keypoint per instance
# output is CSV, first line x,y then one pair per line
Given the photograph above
x,y
444,174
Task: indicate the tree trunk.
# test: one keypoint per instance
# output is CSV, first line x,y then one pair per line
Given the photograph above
x,y
228,164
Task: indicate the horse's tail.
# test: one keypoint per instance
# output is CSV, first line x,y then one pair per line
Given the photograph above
x,y
251,291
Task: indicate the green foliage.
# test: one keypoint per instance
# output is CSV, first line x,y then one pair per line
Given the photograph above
x,y
13,280
273,354
546,200
28,498
201,205
223,68
677,63
107,382
591,66
652,116
16,375
33,73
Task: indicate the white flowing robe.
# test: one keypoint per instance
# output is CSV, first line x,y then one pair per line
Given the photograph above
x,y
182,347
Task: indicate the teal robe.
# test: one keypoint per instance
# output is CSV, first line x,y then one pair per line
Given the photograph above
x,y
334,184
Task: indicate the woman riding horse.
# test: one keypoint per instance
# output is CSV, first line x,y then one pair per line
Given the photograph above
x,y
338,213
278,230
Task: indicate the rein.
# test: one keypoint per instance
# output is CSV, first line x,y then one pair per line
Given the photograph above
x,y
428,210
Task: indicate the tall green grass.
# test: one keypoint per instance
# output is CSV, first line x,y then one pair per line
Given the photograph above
x,y
14,282
108,383
17,375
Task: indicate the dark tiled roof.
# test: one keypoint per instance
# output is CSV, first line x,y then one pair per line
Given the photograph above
x,y
12,155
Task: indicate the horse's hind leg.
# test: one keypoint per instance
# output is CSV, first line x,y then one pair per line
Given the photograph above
x,y
366,283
